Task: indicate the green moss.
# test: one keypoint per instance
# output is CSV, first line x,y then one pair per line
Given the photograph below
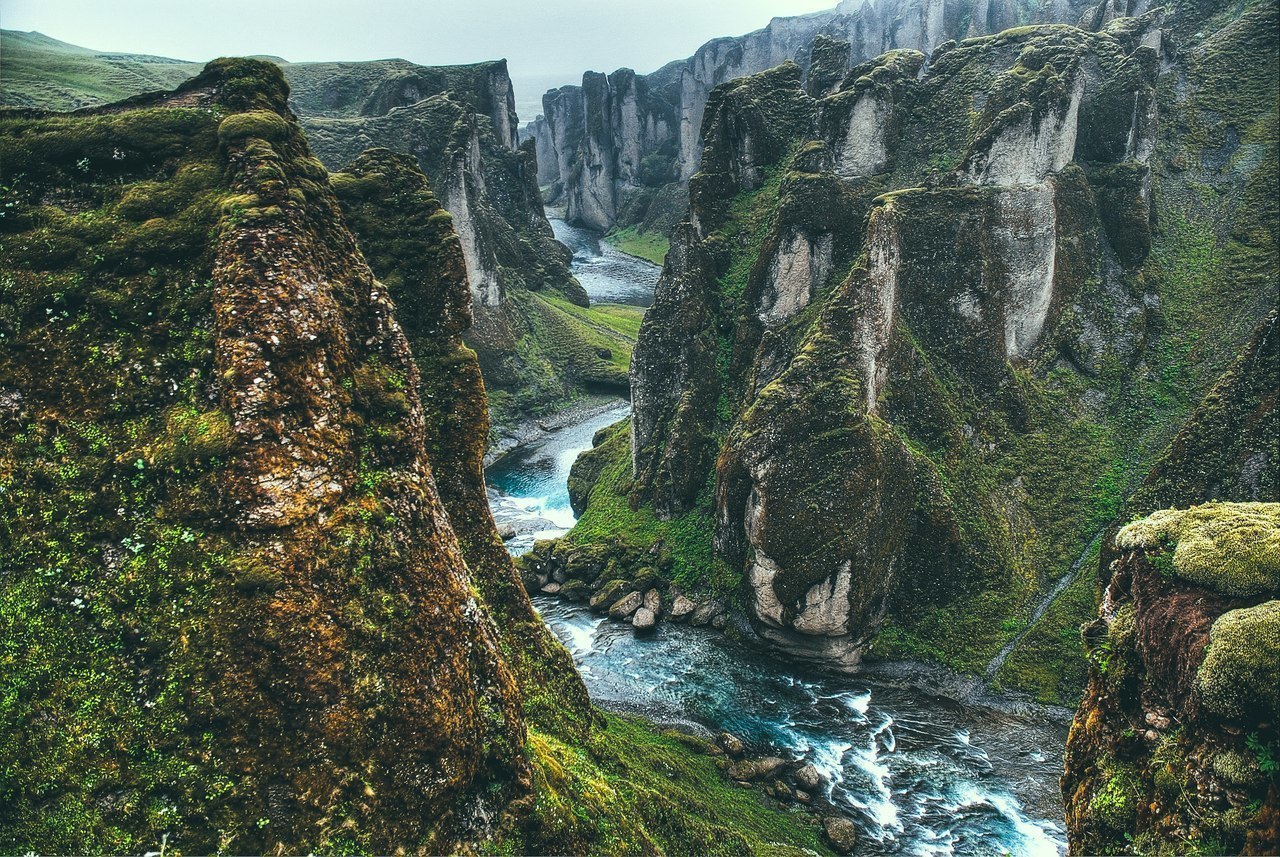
x,y
1114,805
1240,676
1232,548
633,789
685,539
264,124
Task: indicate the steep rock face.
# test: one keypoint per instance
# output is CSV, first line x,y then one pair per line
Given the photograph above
x,y
253,617
1167,747
1173,748
413,250
458,122
598,181
903,320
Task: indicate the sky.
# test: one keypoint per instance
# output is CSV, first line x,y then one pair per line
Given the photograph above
x,y
547,43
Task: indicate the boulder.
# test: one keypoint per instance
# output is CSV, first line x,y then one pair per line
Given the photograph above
x,y
841,833
681,607
644,620
704,613
756,769
551,589
731,744
808,778
506,532
575,590
653,601
626,605
609,594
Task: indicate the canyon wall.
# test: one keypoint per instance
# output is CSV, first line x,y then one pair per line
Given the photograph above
x,y
606,147
919,337
1174,745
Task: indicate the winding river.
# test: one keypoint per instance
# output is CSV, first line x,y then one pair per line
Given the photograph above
x,y
916,774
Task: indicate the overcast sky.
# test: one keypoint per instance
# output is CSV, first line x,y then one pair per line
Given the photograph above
x,y
547,43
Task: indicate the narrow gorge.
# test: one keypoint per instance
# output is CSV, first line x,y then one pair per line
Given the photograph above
x,y
860,437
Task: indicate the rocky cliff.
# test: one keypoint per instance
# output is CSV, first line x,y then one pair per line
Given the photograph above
x,y
253,597
235,609
919,337
537,346
606,147
1174,747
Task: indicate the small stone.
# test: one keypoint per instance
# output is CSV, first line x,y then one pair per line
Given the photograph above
x,y
841,833
551,589
803,796
644,620
506,532
731,744
719,621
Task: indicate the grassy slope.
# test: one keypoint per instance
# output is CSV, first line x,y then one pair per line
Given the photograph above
x,y
647,245
631,789
37,71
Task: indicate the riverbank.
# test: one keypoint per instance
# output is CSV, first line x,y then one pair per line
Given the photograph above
x,y
535,431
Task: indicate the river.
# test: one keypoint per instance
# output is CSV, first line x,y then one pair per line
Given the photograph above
x,y
916,774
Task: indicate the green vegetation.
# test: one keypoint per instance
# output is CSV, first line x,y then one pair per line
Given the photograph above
x,y
1232,548
37,71
684,541
1240,676
631,789
635,242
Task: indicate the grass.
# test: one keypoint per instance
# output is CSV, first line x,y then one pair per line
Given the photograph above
x,y
609,518
37,71
631,789
646,245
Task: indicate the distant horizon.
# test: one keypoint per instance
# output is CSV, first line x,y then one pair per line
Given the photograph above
x,y
579,35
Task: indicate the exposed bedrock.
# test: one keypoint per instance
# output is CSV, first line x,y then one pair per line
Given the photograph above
x,y
597,142
882,298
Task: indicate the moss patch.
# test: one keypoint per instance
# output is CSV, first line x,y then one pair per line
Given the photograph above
x,y
1232,548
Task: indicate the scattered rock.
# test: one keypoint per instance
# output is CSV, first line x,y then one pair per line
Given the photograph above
x,y
506,532
681,607
626,605
756,769
808,778
551,589
575,590
644,619
803,796
609,594
719,621
841,833
653,601
731,744
704,613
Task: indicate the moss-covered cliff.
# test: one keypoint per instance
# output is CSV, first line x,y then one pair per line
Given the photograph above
x,y
919,337
235,611
1173,749
539,345
253,598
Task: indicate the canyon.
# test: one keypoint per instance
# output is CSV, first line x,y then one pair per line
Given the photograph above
x,y
357,494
